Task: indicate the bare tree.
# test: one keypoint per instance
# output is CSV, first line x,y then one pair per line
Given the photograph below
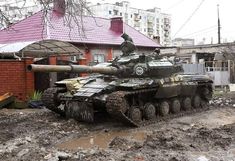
x,y
72,11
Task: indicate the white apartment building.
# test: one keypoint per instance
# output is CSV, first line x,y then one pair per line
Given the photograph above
x,y
152,22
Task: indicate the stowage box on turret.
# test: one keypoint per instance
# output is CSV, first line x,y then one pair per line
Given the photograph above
x,y
131,88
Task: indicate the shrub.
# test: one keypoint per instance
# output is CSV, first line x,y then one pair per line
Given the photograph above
x,y
36,96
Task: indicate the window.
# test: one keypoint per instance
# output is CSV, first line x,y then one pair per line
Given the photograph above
x,y
157,20
115,12
120,13
99,58
110,12
73,58
131,15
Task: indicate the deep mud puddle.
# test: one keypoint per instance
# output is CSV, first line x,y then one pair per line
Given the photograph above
x,y
102,140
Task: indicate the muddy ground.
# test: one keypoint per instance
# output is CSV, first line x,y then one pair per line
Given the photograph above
x,y
38,134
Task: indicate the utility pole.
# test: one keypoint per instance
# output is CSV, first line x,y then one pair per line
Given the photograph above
x,y
219,27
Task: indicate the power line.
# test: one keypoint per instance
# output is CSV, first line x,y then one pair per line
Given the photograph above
x,y
175,4
189,18
202,30
205,33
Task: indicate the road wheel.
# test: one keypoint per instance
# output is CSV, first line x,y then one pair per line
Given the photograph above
x,y
207,94
149,111
196,101
175,106
135,114
164,108
186,104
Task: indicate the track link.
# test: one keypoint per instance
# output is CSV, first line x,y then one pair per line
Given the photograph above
x,y
50,100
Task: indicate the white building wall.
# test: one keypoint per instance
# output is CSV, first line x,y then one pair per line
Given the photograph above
x,y
151,22
15,13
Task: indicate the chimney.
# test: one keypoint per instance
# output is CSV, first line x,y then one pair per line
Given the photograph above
x,y
157,39
59,7
117,24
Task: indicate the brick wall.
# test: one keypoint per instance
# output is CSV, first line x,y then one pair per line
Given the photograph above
x,y
15,79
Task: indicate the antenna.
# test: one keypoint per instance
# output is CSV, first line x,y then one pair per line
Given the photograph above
x,y
219,27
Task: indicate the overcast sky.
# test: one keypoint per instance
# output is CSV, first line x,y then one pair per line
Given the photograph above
x,y
203,24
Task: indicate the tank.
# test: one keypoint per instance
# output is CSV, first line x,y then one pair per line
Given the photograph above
x,y
131,88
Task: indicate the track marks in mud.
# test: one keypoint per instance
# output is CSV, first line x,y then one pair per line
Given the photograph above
x,y
193,139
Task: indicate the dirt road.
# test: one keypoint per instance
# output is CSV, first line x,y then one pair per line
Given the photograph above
x,y
38,134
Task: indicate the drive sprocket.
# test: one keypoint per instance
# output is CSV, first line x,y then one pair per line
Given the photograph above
x,y
117,105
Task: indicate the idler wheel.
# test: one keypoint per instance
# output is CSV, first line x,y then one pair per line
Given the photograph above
x,y
175,106
197,101
187,103
135,114
164,108
149,111
207,94
203,103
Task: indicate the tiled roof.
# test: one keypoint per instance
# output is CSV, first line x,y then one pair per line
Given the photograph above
x,y
96,31
29,29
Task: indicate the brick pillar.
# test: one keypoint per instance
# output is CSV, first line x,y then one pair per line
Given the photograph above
x,y
52,60
88,56
82,61
29,77
52,75
110,54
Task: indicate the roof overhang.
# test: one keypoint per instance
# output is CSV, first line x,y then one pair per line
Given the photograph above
x,y
42,48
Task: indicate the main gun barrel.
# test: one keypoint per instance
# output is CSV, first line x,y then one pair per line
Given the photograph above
x,y
73,68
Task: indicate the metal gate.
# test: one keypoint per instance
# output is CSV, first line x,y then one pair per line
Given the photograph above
x,y
194,68
41,79
222,72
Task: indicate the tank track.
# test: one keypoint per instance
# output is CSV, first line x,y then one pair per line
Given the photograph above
x,y
49,99
114,107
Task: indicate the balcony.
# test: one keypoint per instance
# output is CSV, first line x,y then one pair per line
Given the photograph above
x,y
150,25
150,19
137,24
150,30
167,27
166,21
166,35
136,19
